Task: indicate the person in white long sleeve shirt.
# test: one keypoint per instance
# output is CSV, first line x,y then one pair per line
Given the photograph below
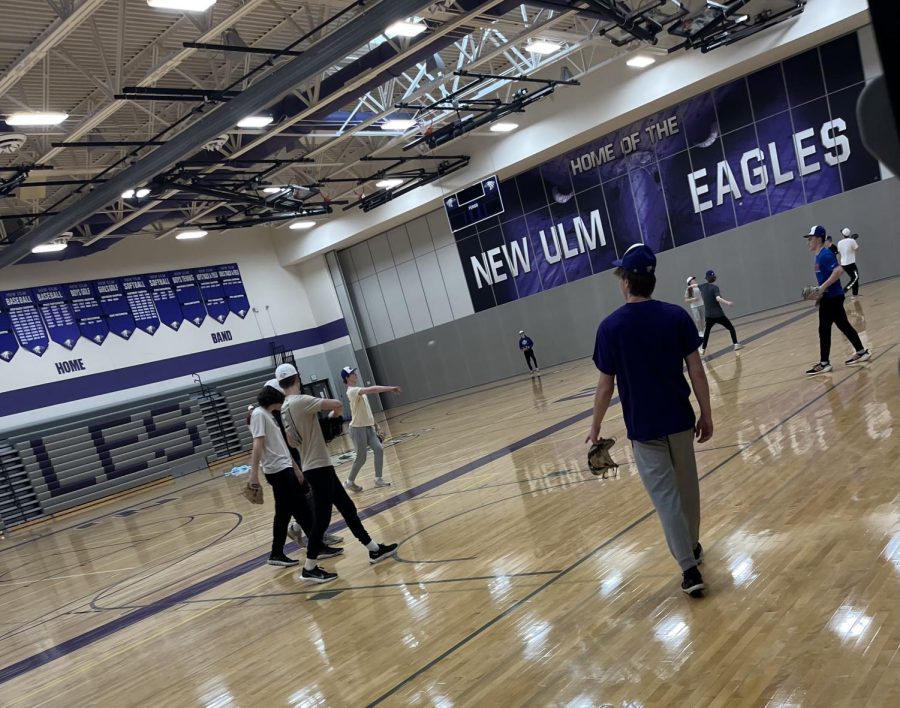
x,y
847,248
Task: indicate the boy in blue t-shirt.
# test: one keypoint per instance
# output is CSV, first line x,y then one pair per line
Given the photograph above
x,y
526,344
644,346
830,301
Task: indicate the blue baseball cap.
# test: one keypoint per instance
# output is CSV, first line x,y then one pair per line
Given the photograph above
x,y
710,273
817,230
637,259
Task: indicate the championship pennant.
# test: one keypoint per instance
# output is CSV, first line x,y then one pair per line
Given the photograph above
x,y
58,316
26,321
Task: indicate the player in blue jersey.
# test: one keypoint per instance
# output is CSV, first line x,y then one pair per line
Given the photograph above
x,y
526,344
830,301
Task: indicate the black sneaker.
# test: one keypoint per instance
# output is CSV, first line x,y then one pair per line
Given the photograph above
x,y
858,358
383,552
692,582
819,368
317,575
329,552
698,553
281,560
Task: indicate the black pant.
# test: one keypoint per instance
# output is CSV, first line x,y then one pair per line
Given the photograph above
x,y
851,270
725,322
289,501
831,311
530,358
327,490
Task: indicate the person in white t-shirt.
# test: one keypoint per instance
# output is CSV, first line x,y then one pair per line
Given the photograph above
x,y
362,427
270,454
847,247
692,297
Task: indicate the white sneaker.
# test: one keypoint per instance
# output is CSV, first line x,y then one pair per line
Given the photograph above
x,y
379,482
738,346
702,351
352,486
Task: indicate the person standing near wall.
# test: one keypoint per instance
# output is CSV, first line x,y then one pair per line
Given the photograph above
x,y
830,301
526,344
692,297
301,420
362,427
847,247
715,315
643,347
829,244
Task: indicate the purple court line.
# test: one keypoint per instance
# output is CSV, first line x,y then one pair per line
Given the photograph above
x,y
69,646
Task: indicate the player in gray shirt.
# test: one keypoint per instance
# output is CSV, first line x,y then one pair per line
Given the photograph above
x,y
300,414
715,315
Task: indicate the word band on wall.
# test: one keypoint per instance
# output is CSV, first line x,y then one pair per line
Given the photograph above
x,y
32,318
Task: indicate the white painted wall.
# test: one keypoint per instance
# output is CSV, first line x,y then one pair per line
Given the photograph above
x,y
284,300
607,99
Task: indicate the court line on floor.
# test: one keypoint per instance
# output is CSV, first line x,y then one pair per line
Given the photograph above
x,y
73,644
608,542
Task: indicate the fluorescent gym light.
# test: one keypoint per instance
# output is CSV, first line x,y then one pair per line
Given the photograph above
x,y
128,194
273,190
504,127
142,192
400,124
302,225
192,234
640,61
406,28
254,122
48,118
389,183
185,5
51,247
543,46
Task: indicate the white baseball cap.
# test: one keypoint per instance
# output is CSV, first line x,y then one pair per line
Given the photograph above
x,y
346,371
285,371
521,331
273,383
846,231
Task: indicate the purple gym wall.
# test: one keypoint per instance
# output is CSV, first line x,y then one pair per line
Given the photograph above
x,y
777,139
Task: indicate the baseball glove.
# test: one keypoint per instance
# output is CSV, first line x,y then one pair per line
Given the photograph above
x,y
599,459
380,433
253,493
810,292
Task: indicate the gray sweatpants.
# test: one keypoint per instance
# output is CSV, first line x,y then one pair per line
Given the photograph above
x,y
365,438
668,470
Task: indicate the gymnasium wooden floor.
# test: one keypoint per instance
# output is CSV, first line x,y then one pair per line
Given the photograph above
x,y
520,578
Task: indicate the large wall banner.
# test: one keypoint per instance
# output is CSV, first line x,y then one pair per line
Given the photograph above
x,y
64,314
769,142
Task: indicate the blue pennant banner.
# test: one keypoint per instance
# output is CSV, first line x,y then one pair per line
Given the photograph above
x,y
58,316
115,306
9,345
88,314
26,320
141,303
213,293
188,293
234,290
164,298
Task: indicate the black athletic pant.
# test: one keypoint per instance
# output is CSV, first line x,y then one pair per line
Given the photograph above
x,y
831,312
289,501
327,490
725,322
851,270
530,359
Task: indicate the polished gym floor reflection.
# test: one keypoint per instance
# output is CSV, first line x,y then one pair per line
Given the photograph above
x,y
520,578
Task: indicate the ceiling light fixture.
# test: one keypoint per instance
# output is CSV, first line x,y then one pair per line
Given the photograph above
x,y
543,46
640,61
273,190
406,28
389,183
504,127
52,247
254,122
302,225
183,5
128,194
29,118
142,192
399,124
191,234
